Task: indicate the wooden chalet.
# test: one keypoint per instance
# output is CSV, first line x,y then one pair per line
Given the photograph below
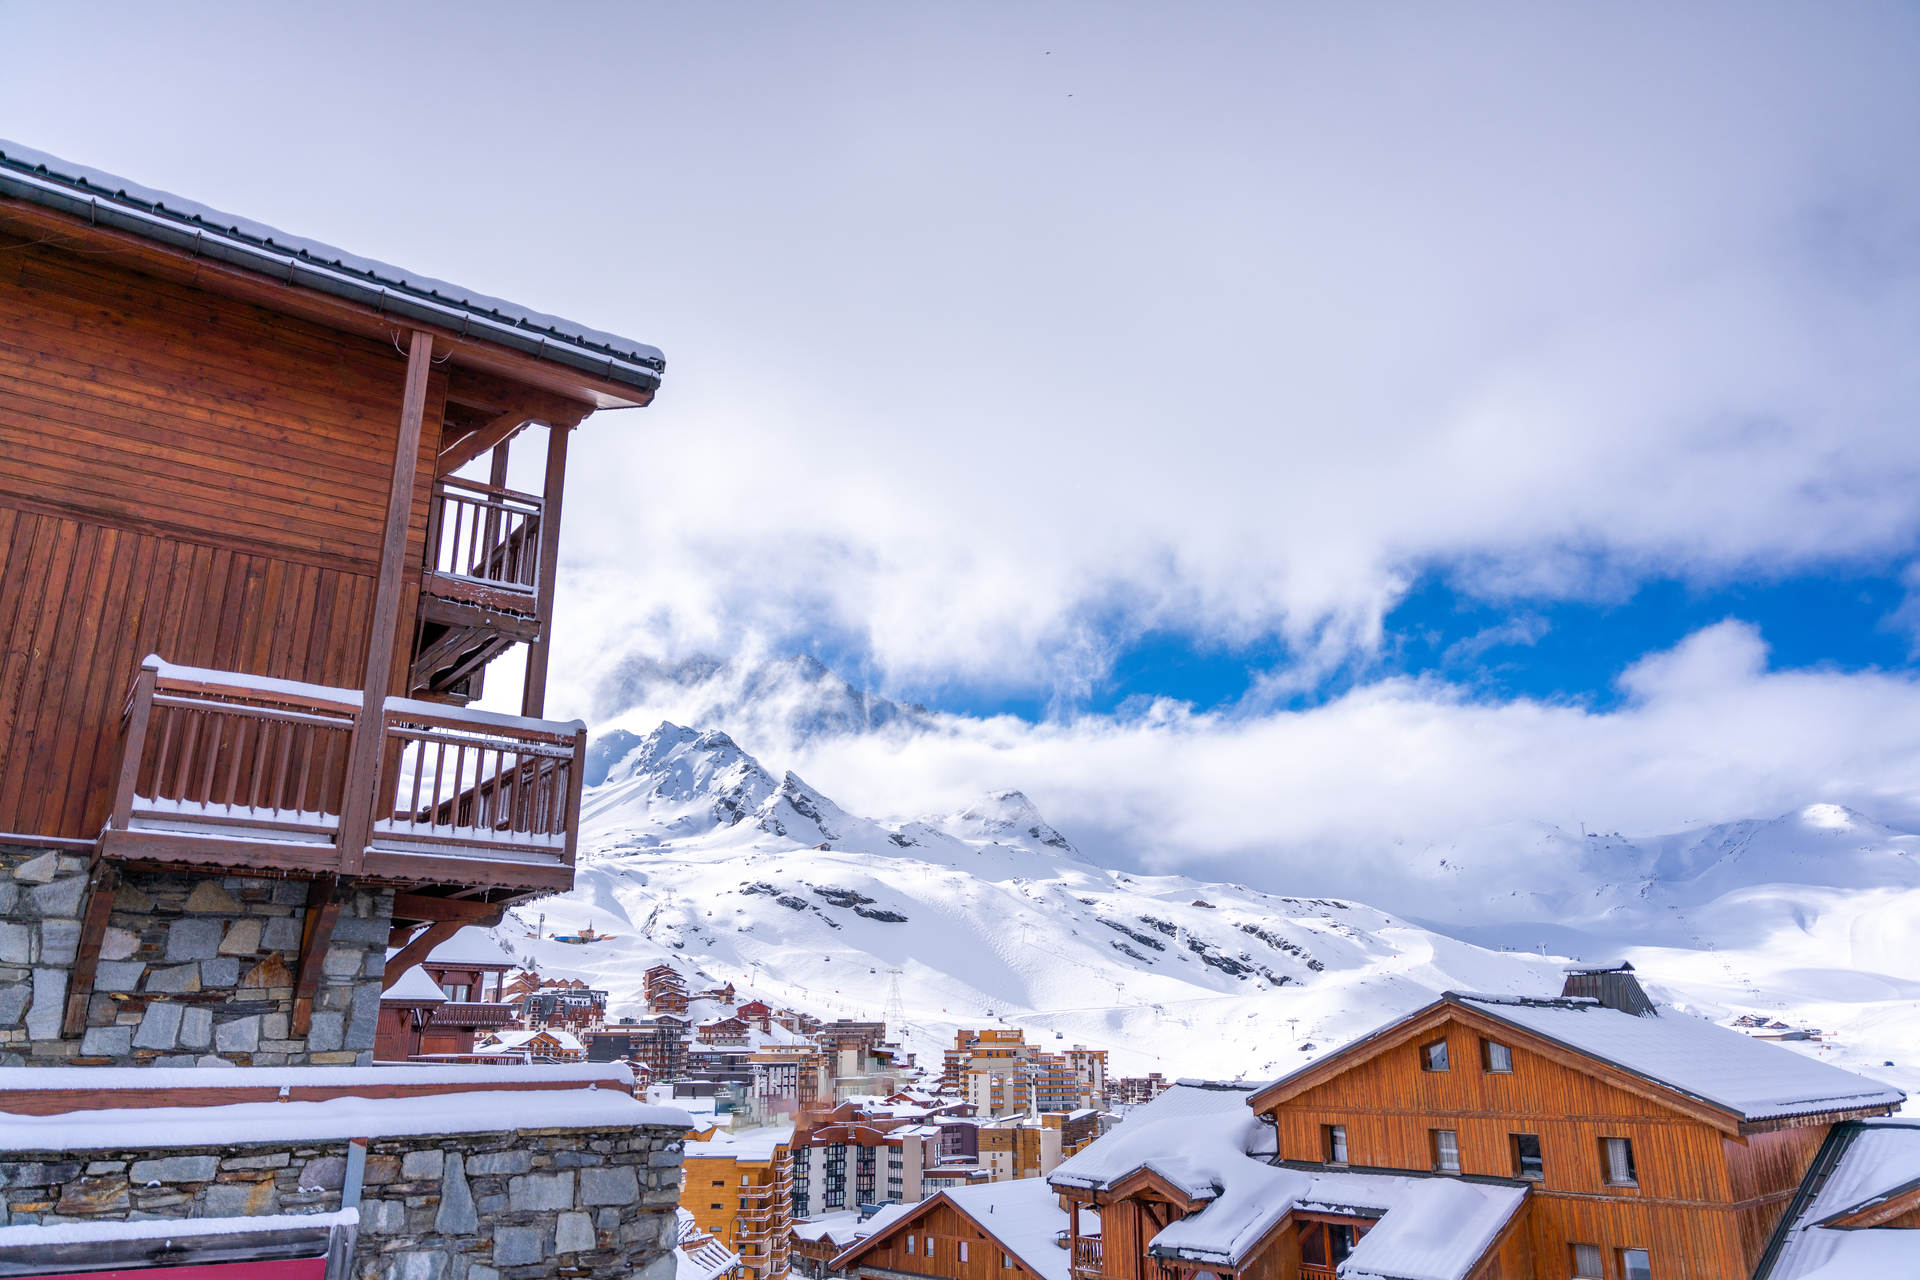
x,y
1588,1136
985,1231
261,549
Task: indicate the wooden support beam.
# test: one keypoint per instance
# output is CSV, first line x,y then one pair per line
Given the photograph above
x,y
419,906
533,698
93,930
323,908
363,753
497,431
416,951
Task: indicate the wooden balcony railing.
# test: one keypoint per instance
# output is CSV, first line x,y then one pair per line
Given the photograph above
x,y
1088,1257
483,544
236,770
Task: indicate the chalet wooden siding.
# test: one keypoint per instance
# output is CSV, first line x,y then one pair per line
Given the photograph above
x,y
185,474
1704,1202
947,1228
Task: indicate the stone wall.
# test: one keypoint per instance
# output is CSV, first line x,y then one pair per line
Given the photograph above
x,y
48,1187
527,1205
194,969
520,1206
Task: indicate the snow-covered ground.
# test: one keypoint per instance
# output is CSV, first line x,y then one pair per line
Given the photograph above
x,y
693,851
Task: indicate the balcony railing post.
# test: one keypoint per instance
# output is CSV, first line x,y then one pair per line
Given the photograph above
x,y
576,775
139,715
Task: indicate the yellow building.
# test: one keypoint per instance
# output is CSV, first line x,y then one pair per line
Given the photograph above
x,y
739,1189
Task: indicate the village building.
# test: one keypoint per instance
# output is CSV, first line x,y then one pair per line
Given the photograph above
x,y
701,1255
1588,1135
467,970
987,1231
1858,1209
739,1188
261,552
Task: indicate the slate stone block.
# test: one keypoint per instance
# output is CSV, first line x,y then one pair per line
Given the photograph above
x,y
107,1042
174,1169
159,1027
536,1191
189,939
457,1216
608,1186
518,1246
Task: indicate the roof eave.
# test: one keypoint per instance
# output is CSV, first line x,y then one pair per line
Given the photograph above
x,y
97,210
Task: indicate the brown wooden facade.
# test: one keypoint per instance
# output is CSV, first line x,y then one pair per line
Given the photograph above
x,y
247,598
929,1241
1707,1189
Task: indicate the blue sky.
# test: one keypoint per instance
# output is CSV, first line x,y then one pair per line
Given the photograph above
x,y
1843,620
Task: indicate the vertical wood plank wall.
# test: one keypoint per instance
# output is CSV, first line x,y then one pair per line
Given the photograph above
x,y
947,1228
1682,1211
184,474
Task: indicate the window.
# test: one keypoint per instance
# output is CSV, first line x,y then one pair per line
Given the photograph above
x,y
1496,1057
1616,1157
910,1244
929,1247
1526,1157
718,1183
714,1205
1586,1263
1635,1265
1446,1150
1006,1262
1334,1139
963,1251
1433,1057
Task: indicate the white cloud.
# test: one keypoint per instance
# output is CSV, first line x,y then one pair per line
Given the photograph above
x,y
1333,797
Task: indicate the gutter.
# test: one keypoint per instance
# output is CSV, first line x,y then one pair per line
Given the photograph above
x,y
62,197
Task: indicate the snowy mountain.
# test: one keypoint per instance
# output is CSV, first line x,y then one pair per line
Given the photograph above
x,y
692,848
694,851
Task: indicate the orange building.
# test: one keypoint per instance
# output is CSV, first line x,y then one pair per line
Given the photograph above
x,y
1588,1136
739,1189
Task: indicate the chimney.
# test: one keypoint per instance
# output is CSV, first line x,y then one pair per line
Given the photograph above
x,y
1614,988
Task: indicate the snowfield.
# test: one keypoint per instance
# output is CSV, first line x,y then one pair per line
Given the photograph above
x,y
693,851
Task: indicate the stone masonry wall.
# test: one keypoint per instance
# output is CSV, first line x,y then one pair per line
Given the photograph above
x,y
49,1187
194,969
527,1205
520,1206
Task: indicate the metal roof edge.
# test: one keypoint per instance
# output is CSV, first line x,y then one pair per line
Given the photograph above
x,y
76,197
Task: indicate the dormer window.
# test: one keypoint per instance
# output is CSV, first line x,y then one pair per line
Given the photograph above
x,y
1433,1056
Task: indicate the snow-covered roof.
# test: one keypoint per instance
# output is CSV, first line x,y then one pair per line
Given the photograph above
x,y
1188,1135
1024,1215
471,945
1751,1078
1206,1141
106,200
414,987
700,1255
744,1144
566,1040
1862,1165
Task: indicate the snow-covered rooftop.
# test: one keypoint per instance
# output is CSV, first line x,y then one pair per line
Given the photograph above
x,y
414,987
471,945
1751,1078
105,199
1204,1139
744,1144
1025,1216
1865,1163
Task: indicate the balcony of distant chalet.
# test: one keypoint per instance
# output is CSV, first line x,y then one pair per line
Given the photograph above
x,y
230,770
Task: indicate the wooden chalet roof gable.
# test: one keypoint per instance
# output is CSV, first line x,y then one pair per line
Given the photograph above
x,y
920,1213
1452,1008
246,258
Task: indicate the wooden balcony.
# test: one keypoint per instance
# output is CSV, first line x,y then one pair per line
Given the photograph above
x,y
1088,1256
482,590
230,770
